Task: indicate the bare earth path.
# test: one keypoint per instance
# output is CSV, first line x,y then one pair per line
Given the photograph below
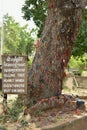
x,y
48,117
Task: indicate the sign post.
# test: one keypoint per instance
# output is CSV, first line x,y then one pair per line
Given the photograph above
x,y
14,75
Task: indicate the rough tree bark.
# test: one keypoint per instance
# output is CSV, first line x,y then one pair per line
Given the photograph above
x,y
54,49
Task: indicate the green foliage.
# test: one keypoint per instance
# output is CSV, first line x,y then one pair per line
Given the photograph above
x,y
81,41
2,128
17,40
14,111
30,61
2,119
26,42
36,9
24,123
11,35
78,62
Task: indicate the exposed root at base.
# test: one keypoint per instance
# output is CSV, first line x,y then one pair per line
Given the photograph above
x,y
64,102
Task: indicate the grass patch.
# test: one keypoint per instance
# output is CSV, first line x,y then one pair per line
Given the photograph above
x,y
14,111
66,88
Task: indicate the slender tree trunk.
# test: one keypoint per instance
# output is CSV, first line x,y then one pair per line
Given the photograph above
x,y
54,49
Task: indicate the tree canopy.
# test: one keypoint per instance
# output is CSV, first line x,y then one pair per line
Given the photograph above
x,y
17,40
37,9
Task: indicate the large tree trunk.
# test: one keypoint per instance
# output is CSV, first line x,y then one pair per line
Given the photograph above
x,y
54,49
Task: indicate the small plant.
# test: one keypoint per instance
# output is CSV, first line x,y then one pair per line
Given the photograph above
x,y
24,123
2,128
14,111
2,119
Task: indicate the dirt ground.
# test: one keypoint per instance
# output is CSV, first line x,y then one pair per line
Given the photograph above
x,y
45,118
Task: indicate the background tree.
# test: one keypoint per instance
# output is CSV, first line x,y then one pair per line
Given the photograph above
x,y
37,10
17,40
54,48
81,41
79,63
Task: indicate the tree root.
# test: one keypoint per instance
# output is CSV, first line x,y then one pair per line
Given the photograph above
x,y
61,102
